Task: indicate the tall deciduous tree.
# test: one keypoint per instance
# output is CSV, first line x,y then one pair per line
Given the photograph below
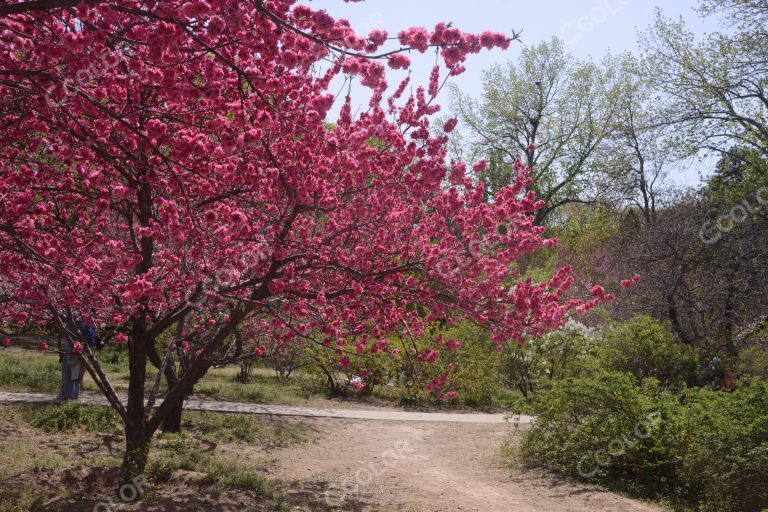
x,y
713,90
167,165
550,101
635,159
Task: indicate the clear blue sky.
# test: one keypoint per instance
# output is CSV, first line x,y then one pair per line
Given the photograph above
x,y
590,27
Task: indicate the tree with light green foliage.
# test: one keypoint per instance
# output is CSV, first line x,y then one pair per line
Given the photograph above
x,y
713,89
562,105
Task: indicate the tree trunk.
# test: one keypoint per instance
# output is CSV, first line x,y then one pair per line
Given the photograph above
x,y
674,319
244,376
137,433
137,441
172,422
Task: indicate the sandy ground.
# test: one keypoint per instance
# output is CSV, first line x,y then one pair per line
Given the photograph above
x,y
423,466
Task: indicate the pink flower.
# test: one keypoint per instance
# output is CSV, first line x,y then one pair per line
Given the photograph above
x,y
490,39
627,283
429,356
344,362
210,217
42,346
399,61
438,382
121,339
7,342
531,147
480,166
452,344
450,125
377,38
260,351
597,291
357,383
77,347
434,81
458,173
415,37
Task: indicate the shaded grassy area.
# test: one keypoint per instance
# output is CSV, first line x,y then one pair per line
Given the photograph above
x,y
68,454
27,370
24,370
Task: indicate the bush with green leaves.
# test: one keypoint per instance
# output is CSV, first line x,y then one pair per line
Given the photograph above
x,y
645,347
754,361
563,353
721,441
464,355
328,376
603,427
699,450
476,375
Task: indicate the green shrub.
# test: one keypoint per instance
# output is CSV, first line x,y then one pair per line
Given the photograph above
x,y
603,428
67,417
699,450
754,361
21,497
476,376
472,369
159,471
566,352
645,348
114,358
721,440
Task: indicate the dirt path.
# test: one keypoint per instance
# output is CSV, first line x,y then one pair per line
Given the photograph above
x,y
359,413
387,459
433,467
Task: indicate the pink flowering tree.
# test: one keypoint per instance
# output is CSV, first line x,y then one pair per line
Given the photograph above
x,y
168,165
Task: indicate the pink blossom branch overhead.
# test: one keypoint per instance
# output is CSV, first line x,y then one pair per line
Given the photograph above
x,y
165,160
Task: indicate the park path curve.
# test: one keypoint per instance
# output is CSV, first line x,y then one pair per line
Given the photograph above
x,y
371,413
407,461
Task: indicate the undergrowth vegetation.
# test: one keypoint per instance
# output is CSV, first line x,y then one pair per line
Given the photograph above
x,y
629,421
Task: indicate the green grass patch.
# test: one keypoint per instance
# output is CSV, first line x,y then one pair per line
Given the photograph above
x,y
36,450
246,428
70,416
263,387
24,370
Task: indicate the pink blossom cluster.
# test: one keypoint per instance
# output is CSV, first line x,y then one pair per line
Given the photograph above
x,y
628,283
